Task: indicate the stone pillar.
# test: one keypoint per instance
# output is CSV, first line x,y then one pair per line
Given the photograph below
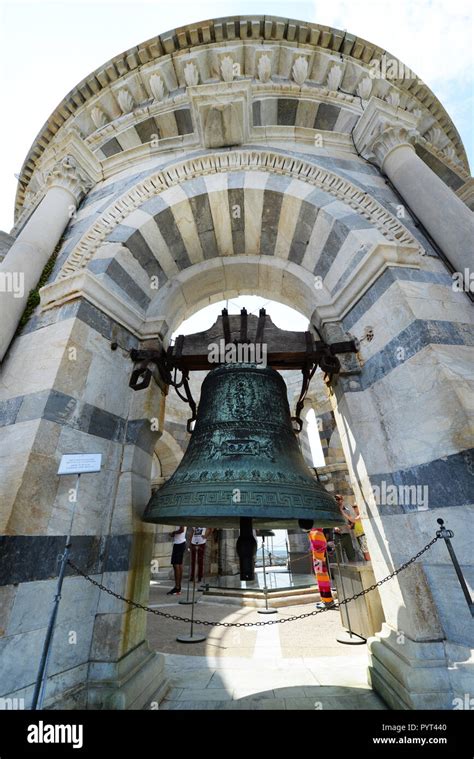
x,y
405,428
77,400
27,257
388,138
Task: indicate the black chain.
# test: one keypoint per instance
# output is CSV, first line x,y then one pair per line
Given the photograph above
x,y
206,623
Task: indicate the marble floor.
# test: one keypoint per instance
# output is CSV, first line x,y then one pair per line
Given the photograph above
x,y
295,665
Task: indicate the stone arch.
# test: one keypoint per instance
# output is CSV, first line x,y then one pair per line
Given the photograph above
x,y
420,357
155,194
169,453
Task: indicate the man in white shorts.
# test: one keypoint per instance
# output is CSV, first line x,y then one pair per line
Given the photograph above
x,y
178,537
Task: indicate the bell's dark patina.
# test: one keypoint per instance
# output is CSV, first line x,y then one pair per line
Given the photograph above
x,y
243,460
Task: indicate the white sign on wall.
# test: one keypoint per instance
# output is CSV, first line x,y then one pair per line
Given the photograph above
x,y
80,463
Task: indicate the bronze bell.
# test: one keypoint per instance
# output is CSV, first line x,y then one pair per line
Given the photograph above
x,y
243,466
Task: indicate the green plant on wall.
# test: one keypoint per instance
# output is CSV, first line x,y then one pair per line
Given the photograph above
x,y
34,295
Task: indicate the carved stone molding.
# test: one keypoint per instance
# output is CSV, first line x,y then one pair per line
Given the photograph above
x,y
390,138
68,175
381,128
466,193
162,55
222,112
237,160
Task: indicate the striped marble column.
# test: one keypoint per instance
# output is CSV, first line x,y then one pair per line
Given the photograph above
x,y
406,428
77,400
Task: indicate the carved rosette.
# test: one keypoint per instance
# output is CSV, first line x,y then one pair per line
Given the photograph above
x,y
389,138
68,175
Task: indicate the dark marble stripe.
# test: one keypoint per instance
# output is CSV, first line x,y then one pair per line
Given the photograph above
x,y
140,250
286,111
355,260
333,244
326,117
29,558
166,223
127,284
112,147
411,340
121,278
304,227
9,410
184,121
201,210
65,410
237,219
449,482
147,130
139,432
105,326
87,313
257,113
270,217
339,165
39,320
389,276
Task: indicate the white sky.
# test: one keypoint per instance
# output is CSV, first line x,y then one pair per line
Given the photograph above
x,y
282,316
47,48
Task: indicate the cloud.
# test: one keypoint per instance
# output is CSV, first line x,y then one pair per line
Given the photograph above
x,y
432,37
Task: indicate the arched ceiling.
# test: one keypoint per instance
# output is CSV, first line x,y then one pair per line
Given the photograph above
x,y
244,202
301,76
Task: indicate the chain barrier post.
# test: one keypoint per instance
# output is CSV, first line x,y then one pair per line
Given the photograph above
x,y
280,621
42,677
191,638
446,534
267,609
186,602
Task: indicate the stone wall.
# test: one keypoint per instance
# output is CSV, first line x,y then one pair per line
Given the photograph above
x,y
267,194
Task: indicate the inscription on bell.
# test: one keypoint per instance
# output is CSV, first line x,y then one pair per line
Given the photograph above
x,y
247,447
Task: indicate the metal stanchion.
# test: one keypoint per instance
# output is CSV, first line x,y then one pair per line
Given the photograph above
x,y
267,609
186,601
349,637
191,638
446,534
42,677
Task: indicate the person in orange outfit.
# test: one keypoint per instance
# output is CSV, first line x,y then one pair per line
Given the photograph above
x,y
318,544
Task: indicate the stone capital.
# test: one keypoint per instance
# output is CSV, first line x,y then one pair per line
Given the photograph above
x,y
382,128
67,174
389,138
